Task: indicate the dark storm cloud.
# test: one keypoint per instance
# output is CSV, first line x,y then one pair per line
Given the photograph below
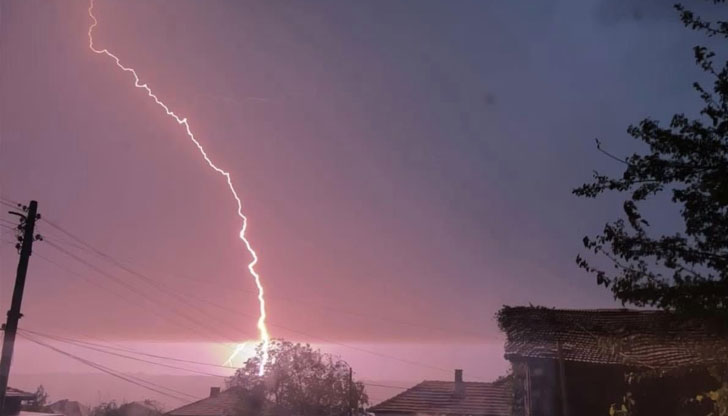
x,y
450,135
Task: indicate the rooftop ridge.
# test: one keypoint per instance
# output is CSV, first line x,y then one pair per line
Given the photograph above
x,y
633,337
452,382
545,308
438,397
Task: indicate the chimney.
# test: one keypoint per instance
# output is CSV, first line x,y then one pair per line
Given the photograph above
x,y
214,391
459,389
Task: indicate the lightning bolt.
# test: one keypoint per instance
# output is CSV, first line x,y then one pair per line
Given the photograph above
x,y
238,349
262,328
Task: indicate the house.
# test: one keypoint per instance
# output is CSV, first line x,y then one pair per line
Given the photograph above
x,y
69,408
455,397
14,400
218,403
145,408
579,362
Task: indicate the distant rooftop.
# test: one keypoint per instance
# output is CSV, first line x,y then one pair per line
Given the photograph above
x,y
69,408
653,339
442,398
23,395
219,403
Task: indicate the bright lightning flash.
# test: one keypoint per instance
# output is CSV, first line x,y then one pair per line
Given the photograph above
x,y
238,349
263,330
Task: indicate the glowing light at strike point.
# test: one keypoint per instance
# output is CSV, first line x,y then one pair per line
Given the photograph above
x,y
238,349
263,330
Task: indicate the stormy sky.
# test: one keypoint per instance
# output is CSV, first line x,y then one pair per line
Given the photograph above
x,y
406,167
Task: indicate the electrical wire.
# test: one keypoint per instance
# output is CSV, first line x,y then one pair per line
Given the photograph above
x,y
131,301
82,343
121,282
126,377
180,295
308,335
100,349
129,269
162,357
8,200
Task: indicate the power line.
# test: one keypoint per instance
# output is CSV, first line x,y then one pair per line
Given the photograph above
x,y
126,377
114,292
9,205
179,295
64,241
360,349
129,350
91,281
162,288
100,349
7,227
294,330
134,289
8,200
379,354
121,264
81,343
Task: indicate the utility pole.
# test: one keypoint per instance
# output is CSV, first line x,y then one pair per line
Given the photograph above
x,y
27,225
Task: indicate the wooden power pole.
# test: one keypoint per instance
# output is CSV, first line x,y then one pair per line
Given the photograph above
x,y
27,224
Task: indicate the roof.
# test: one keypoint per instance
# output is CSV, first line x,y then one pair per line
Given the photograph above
x,y
636,338
69,408
22,395
222,404
436,397
145,408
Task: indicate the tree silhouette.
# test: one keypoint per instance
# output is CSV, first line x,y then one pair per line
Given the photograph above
x,y
38,404
685,271
298,380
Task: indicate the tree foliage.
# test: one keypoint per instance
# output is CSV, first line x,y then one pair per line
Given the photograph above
x,y
298,381
38,404
107,409
146,407
684,271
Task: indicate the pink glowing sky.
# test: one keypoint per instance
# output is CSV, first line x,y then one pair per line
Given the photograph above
x,y
406,166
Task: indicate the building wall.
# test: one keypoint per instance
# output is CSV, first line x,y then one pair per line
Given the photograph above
x,y
12,405
543,388
404,414
591,389
521,401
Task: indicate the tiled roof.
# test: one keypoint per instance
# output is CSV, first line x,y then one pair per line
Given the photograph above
x,y
221,405
139,409
69,408
652,339
24,395
436,397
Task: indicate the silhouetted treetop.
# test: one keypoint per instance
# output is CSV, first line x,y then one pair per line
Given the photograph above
x,y
298,380
686,271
